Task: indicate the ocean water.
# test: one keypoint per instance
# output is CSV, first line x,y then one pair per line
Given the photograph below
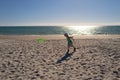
x,y
46,30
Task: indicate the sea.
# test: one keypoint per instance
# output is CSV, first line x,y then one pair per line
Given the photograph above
x,y
52,30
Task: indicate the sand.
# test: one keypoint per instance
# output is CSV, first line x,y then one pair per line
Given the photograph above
x,y
24,58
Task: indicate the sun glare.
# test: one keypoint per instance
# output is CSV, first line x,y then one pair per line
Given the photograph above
x,y
82,29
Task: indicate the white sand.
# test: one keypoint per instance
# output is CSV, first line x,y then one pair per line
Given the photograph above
x,y
23,58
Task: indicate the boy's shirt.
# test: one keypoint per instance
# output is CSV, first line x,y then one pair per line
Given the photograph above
x,y
69,40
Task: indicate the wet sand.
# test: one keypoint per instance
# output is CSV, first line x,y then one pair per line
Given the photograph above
x,y
24,58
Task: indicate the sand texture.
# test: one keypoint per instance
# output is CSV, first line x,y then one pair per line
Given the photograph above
x,y
95,59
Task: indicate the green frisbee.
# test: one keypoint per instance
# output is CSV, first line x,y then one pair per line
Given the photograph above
x,y
41,40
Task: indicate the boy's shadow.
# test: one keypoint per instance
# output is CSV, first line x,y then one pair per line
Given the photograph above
x,y
65,57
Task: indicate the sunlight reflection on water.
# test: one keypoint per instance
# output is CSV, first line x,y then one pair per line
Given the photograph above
x,y
82,29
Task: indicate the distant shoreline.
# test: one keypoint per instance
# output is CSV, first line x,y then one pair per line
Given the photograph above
x,y
57,37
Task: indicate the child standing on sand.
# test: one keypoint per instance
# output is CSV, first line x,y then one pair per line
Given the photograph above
x,y
70,42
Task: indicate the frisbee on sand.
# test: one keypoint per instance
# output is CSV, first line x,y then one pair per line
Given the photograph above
x,y
41,40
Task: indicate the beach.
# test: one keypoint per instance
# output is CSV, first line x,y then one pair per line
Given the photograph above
x,y
22,57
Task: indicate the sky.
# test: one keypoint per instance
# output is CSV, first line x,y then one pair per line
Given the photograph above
x,y
59,12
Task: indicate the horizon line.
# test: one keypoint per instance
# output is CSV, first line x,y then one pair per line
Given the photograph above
x,y
52,25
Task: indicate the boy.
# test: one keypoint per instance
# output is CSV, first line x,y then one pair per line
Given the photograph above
x,y
70,42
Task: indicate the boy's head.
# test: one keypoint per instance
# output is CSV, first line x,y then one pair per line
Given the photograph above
x,y
66,34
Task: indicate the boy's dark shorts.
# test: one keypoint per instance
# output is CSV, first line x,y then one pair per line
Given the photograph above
x,y
70,44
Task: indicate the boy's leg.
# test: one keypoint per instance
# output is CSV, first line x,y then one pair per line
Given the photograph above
x,y
74,48
68,48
